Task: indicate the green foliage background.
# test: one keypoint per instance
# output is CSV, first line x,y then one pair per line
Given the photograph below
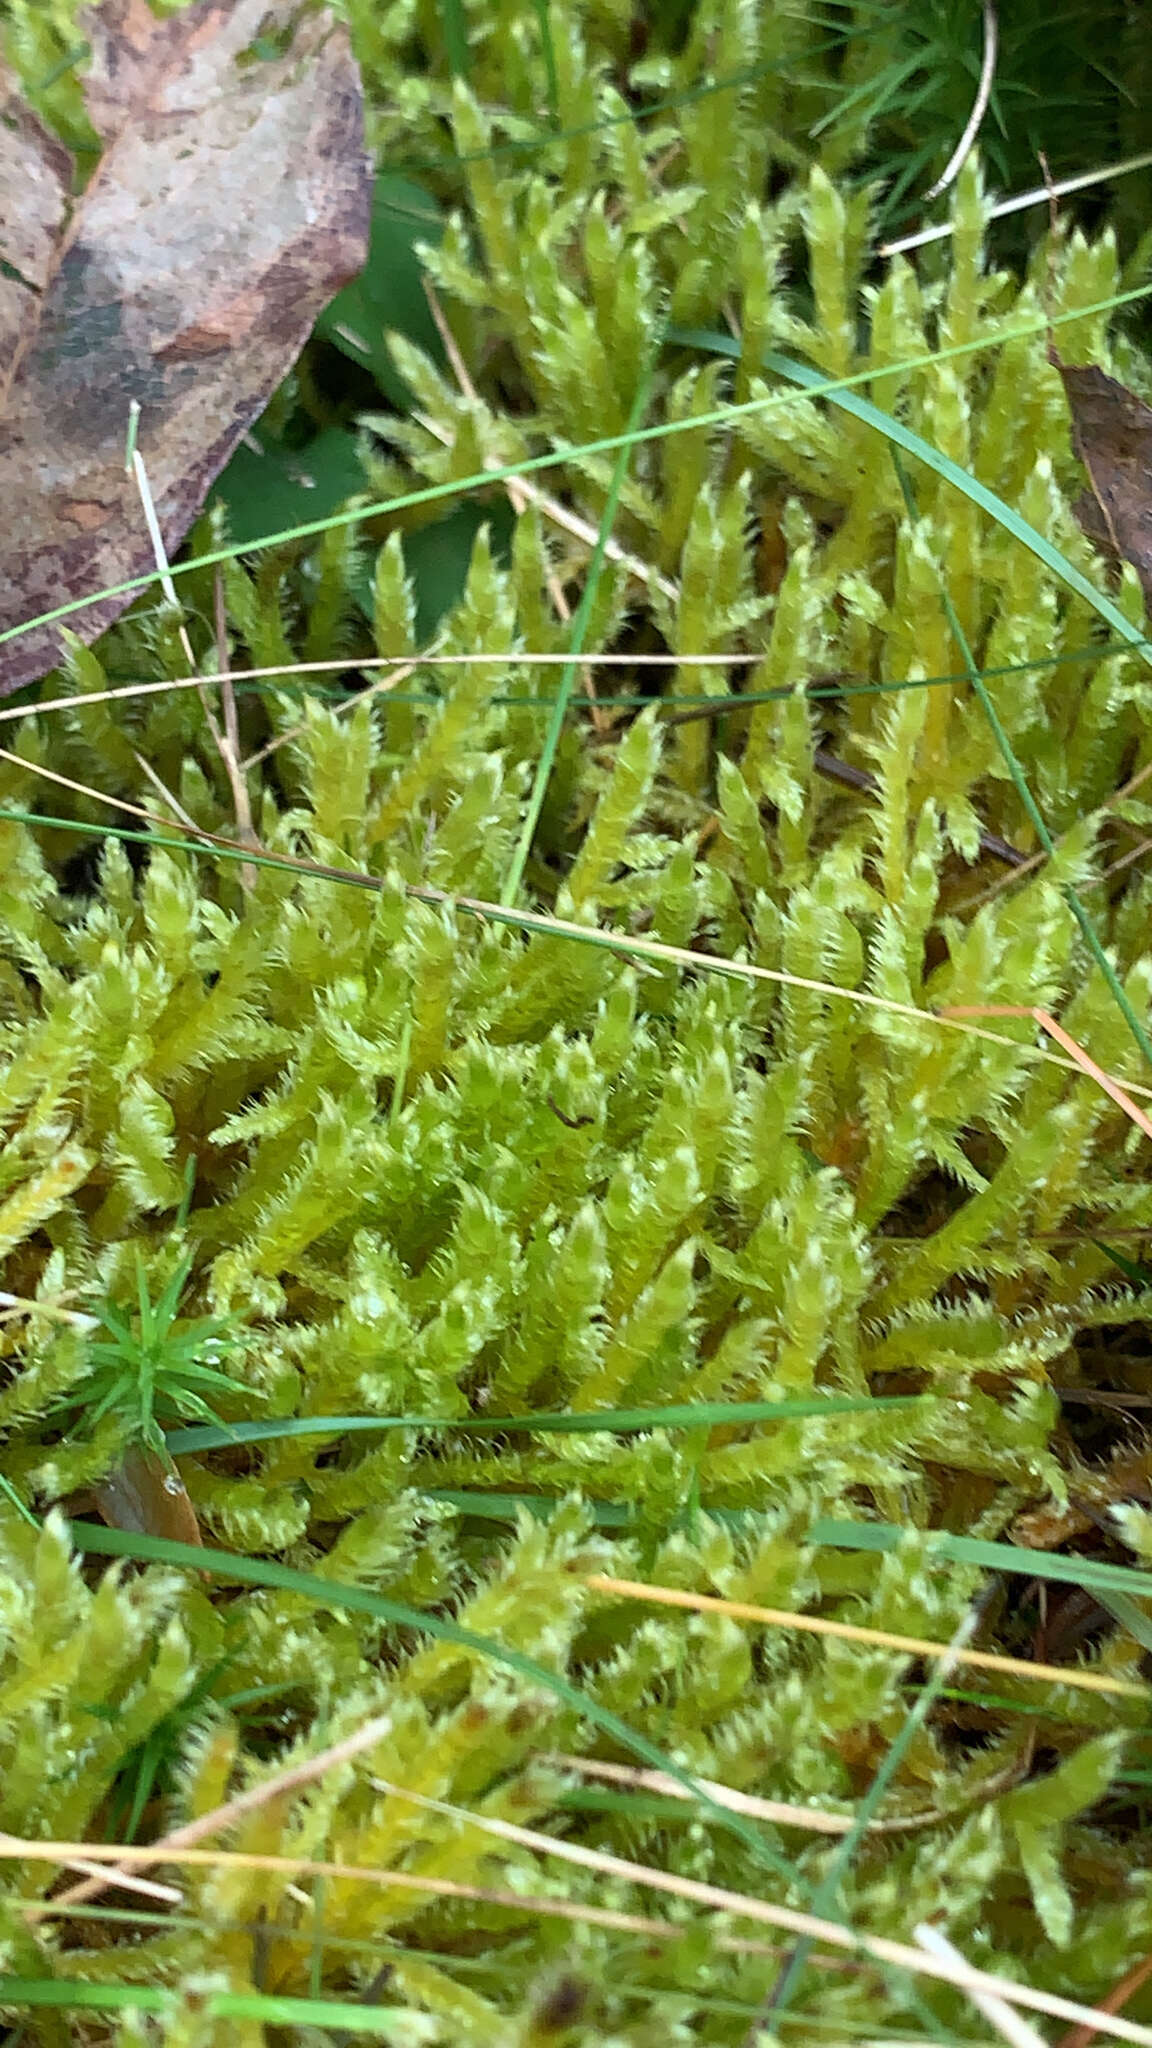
x,y
444,1169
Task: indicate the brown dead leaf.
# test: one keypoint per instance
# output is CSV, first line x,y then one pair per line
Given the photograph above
x,y
1112,432
145,1493
231,201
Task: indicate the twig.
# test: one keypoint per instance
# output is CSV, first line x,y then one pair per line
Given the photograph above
x,y
979,106
1081,2037
562,515
162,790
1010,2024
778,1812
137,469
230,748
868,1947
1124,860
118,803
1101,1397
853,1632
215,1860
844,772
1036,860
405,665
1072,1047
1020,202
878,1948
429,658
143,1887
378,688
850,777
288,1780
19,1305
575,1910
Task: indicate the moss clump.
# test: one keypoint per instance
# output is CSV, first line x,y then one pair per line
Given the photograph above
x,y
449,1169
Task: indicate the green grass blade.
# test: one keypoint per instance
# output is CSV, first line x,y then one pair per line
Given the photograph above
x,y
1088,930
622,1421
1138,1274
1131,1617
9,1493
827,1903
259,1571
387,2022
1093,1574
548,51
884,87
997,508
454,23
838,392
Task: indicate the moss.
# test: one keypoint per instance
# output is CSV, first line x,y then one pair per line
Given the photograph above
x,y
445,1168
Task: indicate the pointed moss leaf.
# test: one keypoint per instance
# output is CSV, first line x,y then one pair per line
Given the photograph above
x,y
397,2025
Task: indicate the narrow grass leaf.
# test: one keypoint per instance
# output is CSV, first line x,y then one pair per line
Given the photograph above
x,y
388,2022
1087,929
258,1571
622,1421
1093,1574
1131,1617
827,1901
850,401
548,52
455,26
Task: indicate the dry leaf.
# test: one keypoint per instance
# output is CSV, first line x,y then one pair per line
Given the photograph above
x,y
231,201
1112,431
145,1493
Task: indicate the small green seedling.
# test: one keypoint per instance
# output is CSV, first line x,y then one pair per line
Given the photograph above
x,y
153,1371
145,1372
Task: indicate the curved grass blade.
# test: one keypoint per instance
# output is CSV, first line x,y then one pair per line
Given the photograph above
x,y
894,430
548,52
1012,761
258,1571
